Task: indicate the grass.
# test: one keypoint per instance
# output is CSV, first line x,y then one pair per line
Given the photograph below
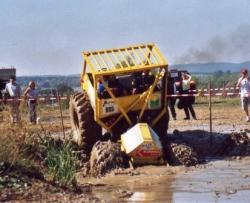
x,y
33,151
15,153
225,101
61,162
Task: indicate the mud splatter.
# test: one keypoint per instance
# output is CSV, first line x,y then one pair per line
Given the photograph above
x,y
180,154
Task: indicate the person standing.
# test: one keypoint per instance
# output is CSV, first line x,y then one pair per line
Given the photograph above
x,y
244,85
187,101
31,94
172,99
13,91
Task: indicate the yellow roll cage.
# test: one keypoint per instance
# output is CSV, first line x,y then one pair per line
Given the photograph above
x,y
123,61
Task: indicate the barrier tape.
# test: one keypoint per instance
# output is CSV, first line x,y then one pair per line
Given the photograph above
x,y
217,89
39,99
207,94
201,92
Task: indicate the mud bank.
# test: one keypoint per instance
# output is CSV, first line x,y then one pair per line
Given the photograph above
x,y
187,148
235,143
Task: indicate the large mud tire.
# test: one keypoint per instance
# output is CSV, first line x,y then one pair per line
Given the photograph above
x,y
105,157
180,154
85,130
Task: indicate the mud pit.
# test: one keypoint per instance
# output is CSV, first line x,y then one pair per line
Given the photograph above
x,y
222,175
219,144
187,148
107,157
224,180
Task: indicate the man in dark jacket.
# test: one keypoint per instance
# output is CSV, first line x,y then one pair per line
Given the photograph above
x,y
172,100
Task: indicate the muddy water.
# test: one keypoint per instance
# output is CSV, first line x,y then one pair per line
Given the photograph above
x,y
219,180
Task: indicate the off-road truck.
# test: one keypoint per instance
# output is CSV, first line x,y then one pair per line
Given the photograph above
x,y
120,88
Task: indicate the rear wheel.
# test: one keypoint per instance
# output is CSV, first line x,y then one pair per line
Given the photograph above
x,y
85,130
161,126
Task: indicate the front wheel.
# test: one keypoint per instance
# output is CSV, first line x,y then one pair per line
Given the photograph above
x,y
85,130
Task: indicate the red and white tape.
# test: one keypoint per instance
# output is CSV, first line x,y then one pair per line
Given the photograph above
x,y
38,99
195,93
219,89
207,94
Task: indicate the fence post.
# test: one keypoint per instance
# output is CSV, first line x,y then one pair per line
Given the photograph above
x,y
210,113
60,107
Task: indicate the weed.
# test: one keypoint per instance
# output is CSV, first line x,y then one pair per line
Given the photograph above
x,y
61,162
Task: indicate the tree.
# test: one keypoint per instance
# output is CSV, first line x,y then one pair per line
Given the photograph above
x,y
64,89
218,73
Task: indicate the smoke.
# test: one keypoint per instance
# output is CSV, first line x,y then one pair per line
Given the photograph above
x,y
235,46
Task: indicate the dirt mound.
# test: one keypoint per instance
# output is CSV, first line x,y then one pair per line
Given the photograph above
x,y
180,154
228,144
241,144
105,157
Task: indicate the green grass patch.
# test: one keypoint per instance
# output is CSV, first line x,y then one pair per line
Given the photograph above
x,y
61,162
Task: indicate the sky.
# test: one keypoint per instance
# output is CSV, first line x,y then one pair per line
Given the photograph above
x,y
47,37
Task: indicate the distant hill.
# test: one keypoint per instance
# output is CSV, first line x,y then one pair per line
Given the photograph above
x,y
212,67
51,81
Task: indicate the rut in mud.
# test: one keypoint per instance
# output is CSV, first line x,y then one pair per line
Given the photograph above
x,y
186,148
107,156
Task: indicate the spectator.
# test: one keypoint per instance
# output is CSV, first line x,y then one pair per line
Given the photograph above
x,y
244,85
172,100
31,94
189,100
14,92
192,90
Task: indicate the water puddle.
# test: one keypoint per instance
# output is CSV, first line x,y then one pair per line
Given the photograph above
x,y
217,181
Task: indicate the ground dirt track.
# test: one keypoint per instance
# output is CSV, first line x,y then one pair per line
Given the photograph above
x,y
217,179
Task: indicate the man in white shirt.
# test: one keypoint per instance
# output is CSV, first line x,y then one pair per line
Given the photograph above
x,y
244,85
14,92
